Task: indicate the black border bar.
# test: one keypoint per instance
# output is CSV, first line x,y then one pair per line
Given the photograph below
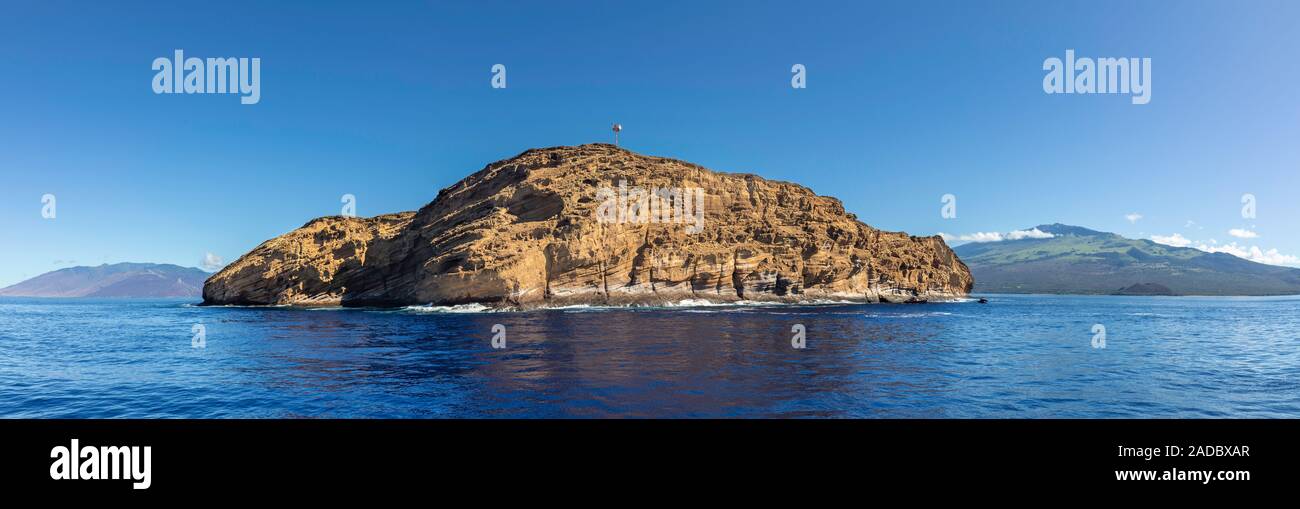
x,y
361,456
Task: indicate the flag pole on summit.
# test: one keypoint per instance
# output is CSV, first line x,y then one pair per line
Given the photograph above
x,y
617,128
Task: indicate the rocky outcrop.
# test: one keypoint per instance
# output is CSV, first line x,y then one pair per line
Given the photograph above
x,y
596,224
1145,289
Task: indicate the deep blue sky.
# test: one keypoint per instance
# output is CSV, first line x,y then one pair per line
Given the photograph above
x,y
391,101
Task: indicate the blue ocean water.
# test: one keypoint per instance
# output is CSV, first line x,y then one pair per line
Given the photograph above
x,y
1017,356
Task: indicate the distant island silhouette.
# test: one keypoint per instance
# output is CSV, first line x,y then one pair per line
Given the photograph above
x,y
1083,261
128,280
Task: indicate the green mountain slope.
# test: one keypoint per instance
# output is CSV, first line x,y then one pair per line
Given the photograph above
x,y
1079,260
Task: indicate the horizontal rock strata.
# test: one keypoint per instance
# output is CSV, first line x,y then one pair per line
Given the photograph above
x,y
596,224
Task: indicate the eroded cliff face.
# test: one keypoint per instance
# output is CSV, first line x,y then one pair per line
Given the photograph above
x,y
551,227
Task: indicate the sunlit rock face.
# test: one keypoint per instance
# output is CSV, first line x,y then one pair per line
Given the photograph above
x,y
596,224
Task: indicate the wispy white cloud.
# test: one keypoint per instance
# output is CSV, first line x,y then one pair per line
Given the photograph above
x,y
996,236
1029,234
972,237
211,262
1133,217
1253,253
982,237
1176,240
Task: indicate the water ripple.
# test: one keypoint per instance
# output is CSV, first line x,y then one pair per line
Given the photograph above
x,y
1019,356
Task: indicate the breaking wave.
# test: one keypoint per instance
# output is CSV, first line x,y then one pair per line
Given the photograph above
x,y
459,308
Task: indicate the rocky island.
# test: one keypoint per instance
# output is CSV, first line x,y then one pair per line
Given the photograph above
x,y
595,224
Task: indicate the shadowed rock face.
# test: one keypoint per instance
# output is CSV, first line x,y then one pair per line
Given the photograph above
x,y
525,232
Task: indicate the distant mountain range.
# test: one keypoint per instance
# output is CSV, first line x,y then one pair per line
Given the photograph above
x,y
1083,261
116,280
